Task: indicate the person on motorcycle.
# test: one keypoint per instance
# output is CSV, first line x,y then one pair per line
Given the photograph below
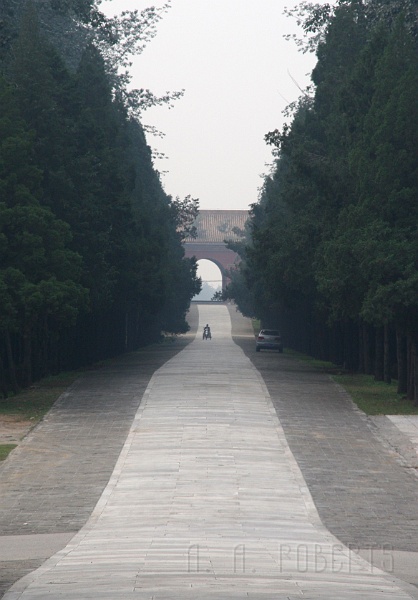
x,y
206,332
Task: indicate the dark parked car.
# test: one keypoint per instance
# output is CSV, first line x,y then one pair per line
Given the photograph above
x,y
269,339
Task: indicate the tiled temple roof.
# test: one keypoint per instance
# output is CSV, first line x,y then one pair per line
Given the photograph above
x,y
216,226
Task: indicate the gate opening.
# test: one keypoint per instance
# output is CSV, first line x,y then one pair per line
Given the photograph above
x,y
211,280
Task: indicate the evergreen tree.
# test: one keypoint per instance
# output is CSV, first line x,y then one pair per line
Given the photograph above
x,y
91,246
40,275
334,249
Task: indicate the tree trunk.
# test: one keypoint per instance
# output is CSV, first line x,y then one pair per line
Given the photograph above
x,y
27,354
346,346
412,393
361,360
11,362
44,348
379,355
368,369
3,384
386,356
411,375
337,355
416,380
350,342
126,340
401,356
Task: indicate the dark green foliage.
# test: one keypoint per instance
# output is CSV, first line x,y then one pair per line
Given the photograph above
x,y
40,275
333,258
92,262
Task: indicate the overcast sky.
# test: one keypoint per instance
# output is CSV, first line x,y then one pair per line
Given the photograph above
x,y
238,73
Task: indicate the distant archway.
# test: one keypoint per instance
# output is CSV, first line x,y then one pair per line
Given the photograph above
x,y
213,228
211,277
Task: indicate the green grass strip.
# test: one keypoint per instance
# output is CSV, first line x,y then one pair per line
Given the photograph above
x,y
5,450
376,397
372,397
33,403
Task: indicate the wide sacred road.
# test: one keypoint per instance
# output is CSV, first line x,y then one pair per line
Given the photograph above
x,y
206,500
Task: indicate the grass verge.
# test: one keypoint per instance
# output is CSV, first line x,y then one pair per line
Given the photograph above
x,y
372,397
376,397
5,450
320,365
33,403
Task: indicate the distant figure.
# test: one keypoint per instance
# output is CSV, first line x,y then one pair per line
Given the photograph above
x,y
206,332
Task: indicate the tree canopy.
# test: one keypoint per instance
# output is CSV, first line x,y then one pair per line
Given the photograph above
x,y
333,253
92,262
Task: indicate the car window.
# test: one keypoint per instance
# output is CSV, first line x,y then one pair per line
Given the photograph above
x,y
269,332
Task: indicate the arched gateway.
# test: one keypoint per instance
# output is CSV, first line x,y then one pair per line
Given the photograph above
x,y
213,228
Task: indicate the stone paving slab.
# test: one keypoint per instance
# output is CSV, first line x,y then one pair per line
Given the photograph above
x,y
28,547
206,500
408,424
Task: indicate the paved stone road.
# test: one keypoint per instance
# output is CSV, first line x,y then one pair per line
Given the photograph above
x,y
50,484
207,501
363,494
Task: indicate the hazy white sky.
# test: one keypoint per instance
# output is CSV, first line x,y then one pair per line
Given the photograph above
x,y
237,71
